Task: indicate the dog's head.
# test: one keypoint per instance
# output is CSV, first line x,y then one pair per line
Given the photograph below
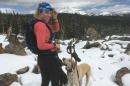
x,y
69,63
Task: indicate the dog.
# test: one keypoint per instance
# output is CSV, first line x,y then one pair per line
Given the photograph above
x,y
75,73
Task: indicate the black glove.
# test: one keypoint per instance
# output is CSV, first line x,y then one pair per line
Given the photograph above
x,y
75,56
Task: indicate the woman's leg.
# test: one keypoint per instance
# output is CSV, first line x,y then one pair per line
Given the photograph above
x,y
45,78
50,66
63,78
43,65
54,72
58,77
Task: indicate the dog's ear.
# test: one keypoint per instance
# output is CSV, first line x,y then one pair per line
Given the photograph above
x,y
63,59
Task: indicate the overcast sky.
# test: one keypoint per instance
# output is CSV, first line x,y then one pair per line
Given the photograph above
x,y
85,5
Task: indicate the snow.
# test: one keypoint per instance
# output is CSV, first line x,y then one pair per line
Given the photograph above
x,y
126,80
7,10
103,67
105,13
35,79
70,10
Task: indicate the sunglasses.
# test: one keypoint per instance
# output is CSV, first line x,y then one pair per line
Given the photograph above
x,y
47,10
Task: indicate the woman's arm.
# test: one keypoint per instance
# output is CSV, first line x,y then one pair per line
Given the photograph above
x,y
55,26
54,21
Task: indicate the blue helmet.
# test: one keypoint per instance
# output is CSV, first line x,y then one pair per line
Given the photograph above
x,y
44,7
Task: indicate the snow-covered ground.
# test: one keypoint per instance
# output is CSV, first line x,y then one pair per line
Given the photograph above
x,y
103,67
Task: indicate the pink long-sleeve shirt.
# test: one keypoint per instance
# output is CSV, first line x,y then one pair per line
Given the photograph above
x,y
43,35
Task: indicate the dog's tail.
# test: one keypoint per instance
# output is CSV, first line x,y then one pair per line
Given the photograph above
x,y
89,78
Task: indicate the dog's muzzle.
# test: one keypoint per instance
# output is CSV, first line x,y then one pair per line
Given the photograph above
x,y
69,69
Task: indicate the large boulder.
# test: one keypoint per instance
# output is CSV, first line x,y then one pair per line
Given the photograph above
x,y
7,79
14,46
120,73
88,45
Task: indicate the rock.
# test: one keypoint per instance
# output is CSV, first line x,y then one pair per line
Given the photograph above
x,y
77,41
22,70
14,46
120,73
36,69
127,51
124,39
106,47
1,49
110,55
88,45
7,79
121,38
15,49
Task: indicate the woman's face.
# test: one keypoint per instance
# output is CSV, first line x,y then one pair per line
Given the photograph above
x,y
46,16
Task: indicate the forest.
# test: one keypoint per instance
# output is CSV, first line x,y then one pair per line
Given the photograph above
x,y
72,25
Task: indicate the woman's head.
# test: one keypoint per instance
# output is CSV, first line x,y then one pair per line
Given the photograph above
x,y
43,11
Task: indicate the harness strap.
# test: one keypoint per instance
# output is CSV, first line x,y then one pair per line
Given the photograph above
x,y
71,50
76,69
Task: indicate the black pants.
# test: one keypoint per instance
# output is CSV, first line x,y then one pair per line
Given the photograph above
x,y
51,70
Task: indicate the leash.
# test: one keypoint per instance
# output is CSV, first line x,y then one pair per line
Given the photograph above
x,y
71,50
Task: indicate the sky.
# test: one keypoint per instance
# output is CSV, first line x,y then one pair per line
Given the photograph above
x,y
95,6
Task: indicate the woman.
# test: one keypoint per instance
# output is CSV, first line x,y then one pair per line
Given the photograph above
x,y
48,60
